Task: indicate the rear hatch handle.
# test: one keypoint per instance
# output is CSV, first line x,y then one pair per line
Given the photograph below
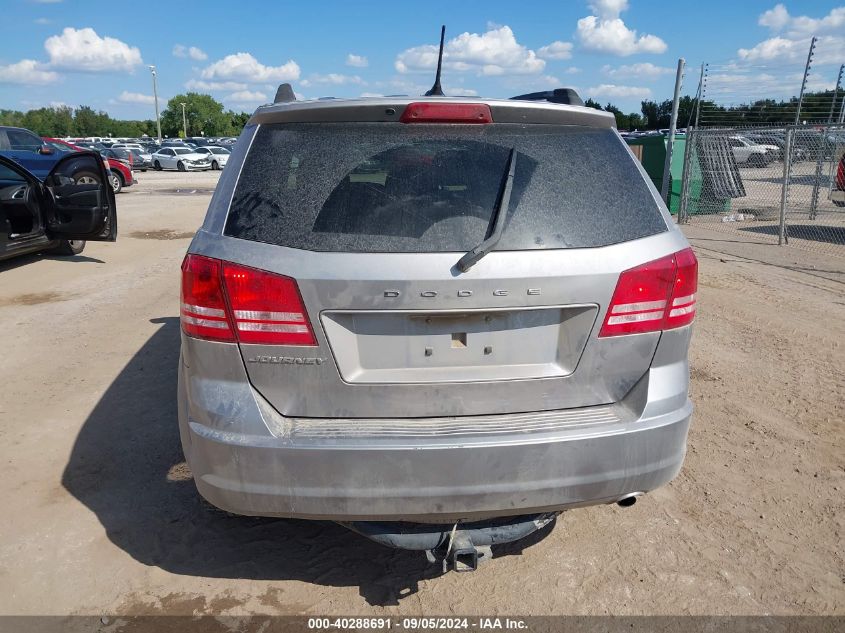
x,y
498,220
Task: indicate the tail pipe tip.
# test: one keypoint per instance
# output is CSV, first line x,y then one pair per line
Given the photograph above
x,y
626,501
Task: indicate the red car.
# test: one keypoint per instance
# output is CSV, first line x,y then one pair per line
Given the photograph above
x,y
837,193
120,171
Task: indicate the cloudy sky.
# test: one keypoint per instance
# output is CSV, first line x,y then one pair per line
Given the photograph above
x,y
89,52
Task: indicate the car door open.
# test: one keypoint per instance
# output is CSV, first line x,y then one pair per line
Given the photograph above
x,y
80,202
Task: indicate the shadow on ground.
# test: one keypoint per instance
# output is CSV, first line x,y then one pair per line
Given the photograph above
x,y
23,260
812,232
124,468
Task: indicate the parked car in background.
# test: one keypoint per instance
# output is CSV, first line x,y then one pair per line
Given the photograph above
x,y
141,159
750,154
88,145
72,204
217,155
837,192
120,172
136,149
777,139
435,321
28,150
180,158
120,160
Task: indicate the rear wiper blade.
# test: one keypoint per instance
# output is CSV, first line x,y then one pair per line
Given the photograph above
x,y
499,214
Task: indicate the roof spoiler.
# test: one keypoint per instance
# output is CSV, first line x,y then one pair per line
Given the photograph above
x,y
566,96
284,94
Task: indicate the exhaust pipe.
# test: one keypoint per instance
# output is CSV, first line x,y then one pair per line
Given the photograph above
x,y
628,500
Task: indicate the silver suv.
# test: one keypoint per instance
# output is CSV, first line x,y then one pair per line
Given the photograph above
x,y
438,321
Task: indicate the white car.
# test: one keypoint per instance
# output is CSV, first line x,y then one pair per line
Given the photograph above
x,y
752,154
217,155
181,158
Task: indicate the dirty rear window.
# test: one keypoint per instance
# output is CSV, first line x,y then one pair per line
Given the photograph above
x,y
390,187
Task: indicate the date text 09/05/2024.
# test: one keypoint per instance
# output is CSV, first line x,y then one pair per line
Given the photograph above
x,y
417,623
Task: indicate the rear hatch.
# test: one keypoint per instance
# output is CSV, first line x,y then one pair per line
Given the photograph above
x,y
370,219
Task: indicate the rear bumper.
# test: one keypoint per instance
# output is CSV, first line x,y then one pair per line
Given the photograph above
x,y
435,484
248,459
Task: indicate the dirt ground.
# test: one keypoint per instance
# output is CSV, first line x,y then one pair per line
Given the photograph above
x,y
100,515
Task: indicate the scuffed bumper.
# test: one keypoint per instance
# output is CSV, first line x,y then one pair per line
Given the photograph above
x,y
439,483
247,459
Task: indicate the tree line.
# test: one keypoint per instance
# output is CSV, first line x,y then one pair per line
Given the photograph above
x,y
654,116
204,115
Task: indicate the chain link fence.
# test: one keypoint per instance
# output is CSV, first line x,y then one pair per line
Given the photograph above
x,y
782,185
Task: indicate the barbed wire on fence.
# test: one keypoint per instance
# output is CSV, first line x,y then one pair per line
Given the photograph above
x,y
764,159
741,93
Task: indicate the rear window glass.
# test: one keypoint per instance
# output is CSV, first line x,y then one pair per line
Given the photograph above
x,y
389,187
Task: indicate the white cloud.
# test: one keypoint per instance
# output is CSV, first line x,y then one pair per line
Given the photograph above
x,y
608,9
493,53
556,50
402,86
830,49
83,50
198,84
371,94
775,18
458,91
334,79
740,84
357,61
645,70
572,70
193,52
791,35
246,96
27,71
622,92
607,33
135,97
244,67
772,48
42,21
778,20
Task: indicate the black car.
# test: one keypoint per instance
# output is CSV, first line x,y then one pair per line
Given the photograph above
x,y
73,204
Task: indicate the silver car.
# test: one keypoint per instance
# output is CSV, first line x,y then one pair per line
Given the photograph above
x,y
437,321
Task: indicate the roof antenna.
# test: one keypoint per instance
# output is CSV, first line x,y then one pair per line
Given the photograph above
x,y
436,90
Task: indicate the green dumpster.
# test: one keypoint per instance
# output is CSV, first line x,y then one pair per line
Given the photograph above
x,y
651,152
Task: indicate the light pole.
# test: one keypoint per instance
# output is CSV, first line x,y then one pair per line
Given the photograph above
x,y
184,120
155,94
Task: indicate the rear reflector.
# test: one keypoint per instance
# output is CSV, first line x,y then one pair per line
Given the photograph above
x,y
222,301
425,112
659,295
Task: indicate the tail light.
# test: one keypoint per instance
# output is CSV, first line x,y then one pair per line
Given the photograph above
x,y
840,174
204,313
222,301
659,295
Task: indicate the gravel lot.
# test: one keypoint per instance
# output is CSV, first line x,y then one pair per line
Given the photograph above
x,y
100,515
